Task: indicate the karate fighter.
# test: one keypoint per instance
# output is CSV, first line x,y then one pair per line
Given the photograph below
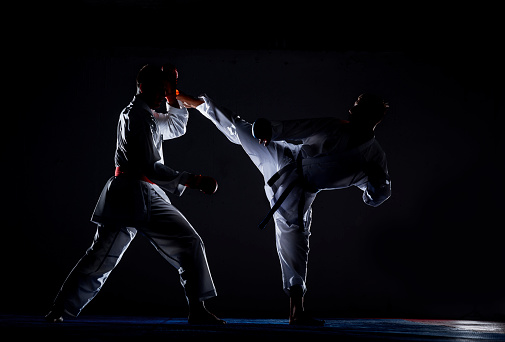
x,y
331,154
133,201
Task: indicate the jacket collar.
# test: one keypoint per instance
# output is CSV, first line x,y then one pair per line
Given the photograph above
x,y
137,100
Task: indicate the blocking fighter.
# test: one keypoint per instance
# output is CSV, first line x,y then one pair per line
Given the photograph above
x,y
331,154
134,200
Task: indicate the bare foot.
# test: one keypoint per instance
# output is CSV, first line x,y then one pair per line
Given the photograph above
x,y
54,317
200,315
297,313
305,319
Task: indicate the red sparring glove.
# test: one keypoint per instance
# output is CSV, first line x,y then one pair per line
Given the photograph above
x,y
170,76
205,184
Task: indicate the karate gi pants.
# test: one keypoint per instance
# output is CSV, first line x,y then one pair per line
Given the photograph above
x,y
169,232
292,241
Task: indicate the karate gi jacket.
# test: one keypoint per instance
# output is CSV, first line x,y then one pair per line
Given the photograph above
x,y
328,164
125,199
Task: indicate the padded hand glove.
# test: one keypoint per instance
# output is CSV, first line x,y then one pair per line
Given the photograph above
x,y
205,184
262,130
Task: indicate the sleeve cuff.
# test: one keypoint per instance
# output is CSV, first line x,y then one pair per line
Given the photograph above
x,y
204,105
180,187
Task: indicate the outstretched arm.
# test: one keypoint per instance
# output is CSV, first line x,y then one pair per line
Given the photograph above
x,y
223,118
189,101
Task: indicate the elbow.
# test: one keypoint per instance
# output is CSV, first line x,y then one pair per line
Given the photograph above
x,y
375,202
375,196
181,132
181,126
174,131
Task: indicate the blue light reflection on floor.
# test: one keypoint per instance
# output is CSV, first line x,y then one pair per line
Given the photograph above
x,y
339,329
376,327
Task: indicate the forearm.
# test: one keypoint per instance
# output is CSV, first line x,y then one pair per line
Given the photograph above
x,y
172,101
168,179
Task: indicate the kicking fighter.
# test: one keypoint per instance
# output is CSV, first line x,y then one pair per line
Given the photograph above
x,y
133,200
331,154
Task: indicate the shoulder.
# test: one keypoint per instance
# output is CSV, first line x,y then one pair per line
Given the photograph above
x,y
376,145
137,110
139,107
136,116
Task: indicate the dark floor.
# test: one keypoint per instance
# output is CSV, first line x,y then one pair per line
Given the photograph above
x,y
112,328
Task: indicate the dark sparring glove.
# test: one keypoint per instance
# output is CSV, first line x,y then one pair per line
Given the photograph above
x,y
375,173
262,130
205,184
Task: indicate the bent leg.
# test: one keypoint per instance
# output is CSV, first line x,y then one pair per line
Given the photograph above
x,y
178,242
90,273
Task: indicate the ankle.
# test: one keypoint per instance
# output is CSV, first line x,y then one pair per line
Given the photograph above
x,y
196,307
295,302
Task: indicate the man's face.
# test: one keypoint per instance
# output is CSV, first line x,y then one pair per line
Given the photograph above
x,y
353,107
153,93
365,111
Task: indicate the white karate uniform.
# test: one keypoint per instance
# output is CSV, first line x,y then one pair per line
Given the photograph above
x,y
326,165
128,204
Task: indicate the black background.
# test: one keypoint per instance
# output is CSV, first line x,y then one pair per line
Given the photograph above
x,y
434,249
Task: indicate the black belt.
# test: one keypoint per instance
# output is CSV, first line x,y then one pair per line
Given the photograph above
x,y
300,180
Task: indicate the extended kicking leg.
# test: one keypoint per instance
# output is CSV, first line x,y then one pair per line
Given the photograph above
x,y
268,159
179,243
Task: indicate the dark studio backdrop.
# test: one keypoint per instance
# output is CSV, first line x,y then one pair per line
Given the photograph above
x,y
434,249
